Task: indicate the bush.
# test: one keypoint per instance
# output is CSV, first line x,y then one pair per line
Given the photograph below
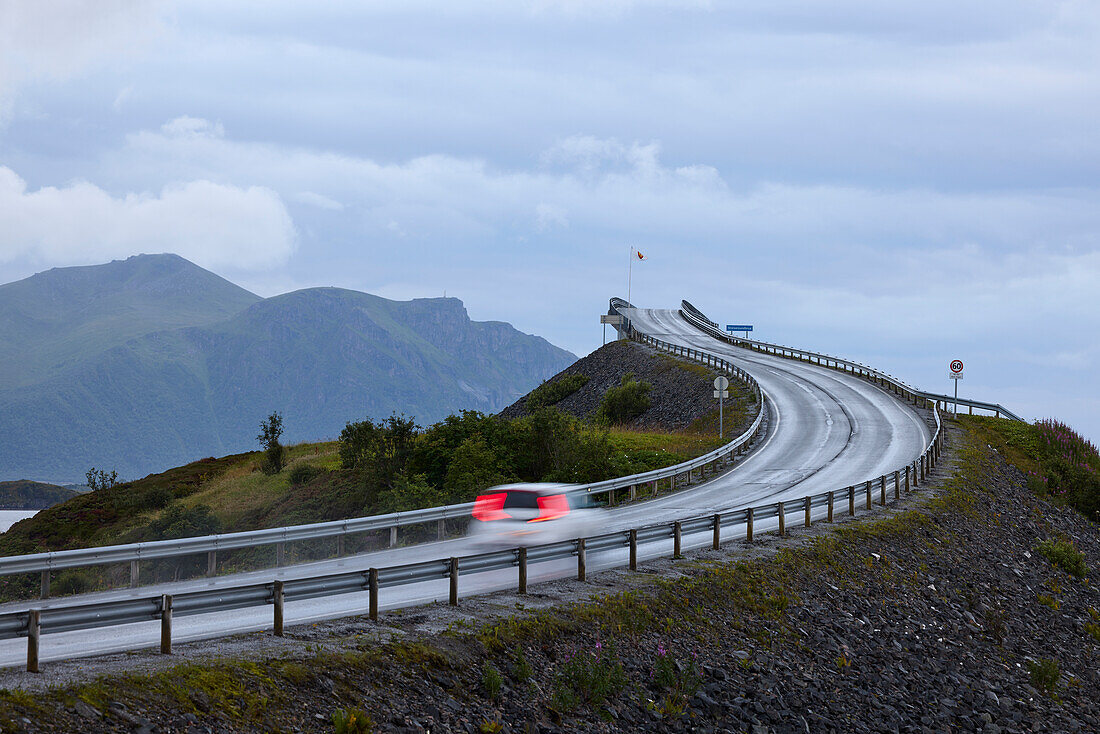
x,y
492,681
180,522
1063,554
1044,674
379,450
624,403
352,721
302,474
551,393
588,678
274,454
73,581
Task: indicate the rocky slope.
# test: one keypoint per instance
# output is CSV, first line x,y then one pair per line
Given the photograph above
x,y
682,391
166,363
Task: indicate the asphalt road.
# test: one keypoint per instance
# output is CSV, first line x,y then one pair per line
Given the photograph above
x,y
826,430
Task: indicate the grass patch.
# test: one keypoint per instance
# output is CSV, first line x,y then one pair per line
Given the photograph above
x,y
1062,553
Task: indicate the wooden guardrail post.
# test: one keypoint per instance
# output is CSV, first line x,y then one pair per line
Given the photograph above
x,y
852,499
211,563
677,530
453,574
633,492
748,525
440,529
830,506
907,485
45,584
867,490
716,542
280,554
807,512
134,571
882,490
372,587
897,485
340,545
782,519
166,624
393,536
523,570
582,561
633,549
277,605
34,636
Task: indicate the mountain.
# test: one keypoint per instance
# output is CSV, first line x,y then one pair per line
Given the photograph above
x,y
169,363
26,495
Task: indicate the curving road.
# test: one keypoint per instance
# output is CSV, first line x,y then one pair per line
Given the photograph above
x,y
826,430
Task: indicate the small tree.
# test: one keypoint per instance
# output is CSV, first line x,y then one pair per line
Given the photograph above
x,y
274,453
99,479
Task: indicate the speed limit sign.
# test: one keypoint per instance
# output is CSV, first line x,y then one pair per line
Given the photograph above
x,y
956,369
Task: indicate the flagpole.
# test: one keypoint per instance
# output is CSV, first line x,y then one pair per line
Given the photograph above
x,y
629,271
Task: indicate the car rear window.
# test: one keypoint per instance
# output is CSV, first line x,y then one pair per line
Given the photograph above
x,y
521,500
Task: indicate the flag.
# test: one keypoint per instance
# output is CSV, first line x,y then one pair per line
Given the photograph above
x,y
640,255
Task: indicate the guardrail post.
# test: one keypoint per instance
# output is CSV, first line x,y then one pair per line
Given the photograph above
x,y
868,492
807,512
166,624
748,525
280,554
852,500
971,409
211,563
830,507
611,498
922,474
633,492
633,549
339,545
34,635
716,543
440,531
897,485
393,536
523,570
46,584
453,573
582,561
133,574
372,587
882,490
782,520
677,532
277,604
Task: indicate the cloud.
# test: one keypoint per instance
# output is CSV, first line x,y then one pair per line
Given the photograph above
x,y
56,39
213,224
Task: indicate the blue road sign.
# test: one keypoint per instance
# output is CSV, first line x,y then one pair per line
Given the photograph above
x,y
738,327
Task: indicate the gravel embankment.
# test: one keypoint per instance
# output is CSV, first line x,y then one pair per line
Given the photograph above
x,y
924,621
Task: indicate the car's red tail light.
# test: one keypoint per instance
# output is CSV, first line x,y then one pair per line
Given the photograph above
x,y
489,507
552,507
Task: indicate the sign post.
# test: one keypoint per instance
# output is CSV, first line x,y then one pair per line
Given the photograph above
x,y
720,384
615,320
956,367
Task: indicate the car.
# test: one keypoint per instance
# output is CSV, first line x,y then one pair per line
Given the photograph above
x,y
512,515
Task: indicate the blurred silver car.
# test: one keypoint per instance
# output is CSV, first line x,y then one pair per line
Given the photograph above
x,y
512,515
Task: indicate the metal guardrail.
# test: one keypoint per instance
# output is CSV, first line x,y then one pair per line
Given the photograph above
x,y
134,553
33,622
698,319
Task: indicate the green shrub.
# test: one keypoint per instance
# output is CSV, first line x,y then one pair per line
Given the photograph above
x,y
589,678
624,403
73,581
352,721
523,669
302,473
492,681
1063,554
1044,674
551,393
180,522
271,428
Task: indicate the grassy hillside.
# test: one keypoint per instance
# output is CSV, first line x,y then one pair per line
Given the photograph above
x,y
26,495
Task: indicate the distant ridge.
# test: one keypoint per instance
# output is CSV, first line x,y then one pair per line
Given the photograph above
x,y
150,362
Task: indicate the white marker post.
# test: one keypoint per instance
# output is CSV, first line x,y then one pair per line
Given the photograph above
x,y
720,384
956,367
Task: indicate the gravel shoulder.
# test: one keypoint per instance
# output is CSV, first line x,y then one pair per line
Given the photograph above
x,y
928,615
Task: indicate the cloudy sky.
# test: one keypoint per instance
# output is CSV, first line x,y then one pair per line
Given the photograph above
x,y
903,183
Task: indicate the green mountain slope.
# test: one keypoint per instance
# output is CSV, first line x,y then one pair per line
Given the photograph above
x,y
322,357
57,319
26,495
